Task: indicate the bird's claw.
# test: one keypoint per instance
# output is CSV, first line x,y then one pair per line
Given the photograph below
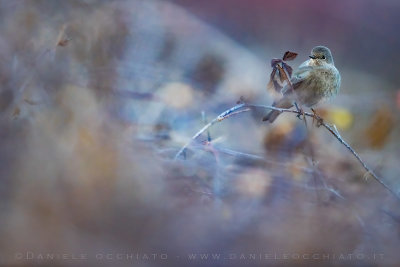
x,y
301,113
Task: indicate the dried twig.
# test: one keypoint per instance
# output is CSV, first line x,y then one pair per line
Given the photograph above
x,y
219,118
332,129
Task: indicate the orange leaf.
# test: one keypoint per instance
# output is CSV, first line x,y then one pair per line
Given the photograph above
x,y
282,74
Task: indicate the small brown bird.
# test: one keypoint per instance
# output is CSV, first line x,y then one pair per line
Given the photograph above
x,y
316,79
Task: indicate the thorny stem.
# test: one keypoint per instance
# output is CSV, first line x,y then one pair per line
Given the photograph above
x,y
247,107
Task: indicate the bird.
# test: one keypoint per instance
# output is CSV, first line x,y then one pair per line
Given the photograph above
x,y
315,81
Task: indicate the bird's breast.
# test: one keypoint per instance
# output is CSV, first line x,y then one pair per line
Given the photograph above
x,y
321,83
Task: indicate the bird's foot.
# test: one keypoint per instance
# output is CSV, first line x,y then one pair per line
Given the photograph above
x,y
300,111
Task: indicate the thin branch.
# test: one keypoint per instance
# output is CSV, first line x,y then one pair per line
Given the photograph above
x,y
332,129
219,118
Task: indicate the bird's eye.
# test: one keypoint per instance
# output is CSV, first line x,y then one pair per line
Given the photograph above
x,y
323,57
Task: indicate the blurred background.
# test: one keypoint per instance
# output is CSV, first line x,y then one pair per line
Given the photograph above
x,y
97,97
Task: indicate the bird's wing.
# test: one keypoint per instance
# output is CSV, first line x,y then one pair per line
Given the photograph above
x,y
298,77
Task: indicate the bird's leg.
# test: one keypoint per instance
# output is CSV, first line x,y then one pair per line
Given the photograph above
x,y
297,107
299,110
317,117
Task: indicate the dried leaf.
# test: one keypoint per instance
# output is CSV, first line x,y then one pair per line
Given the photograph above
x,y
282,74
62,39
288,69
63,42
277,86
273,73
273,84
289,55
270,85
275,61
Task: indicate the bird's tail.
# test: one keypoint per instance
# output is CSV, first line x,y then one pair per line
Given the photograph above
x,y
282,103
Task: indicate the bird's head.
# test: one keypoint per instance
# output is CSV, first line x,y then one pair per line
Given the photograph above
x,y
320,55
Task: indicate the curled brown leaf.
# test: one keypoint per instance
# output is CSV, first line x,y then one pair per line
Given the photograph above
x,y
282,74
287,68
63,42
289,55
273,84
62,39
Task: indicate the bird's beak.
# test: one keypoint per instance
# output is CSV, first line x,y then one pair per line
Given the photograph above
x,y
313,57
